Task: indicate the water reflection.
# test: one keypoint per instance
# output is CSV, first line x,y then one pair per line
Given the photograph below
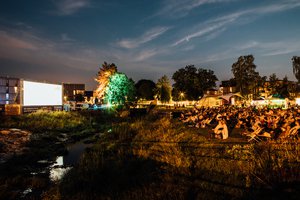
x,y
63,163
58,170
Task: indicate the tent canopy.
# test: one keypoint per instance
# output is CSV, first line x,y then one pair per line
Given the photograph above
x,y
228,96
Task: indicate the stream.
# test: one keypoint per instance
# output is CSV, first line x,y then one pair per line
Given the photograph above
x,y
60,166
64,163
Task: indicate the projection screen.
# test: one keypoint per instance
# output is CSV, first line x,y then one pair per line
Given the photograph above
x,y
41,94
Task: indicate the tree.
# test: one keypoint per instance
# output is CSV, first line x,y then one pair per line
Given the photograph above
x,y
104,73
245,75
273,83
259,84
163,89
192,82
296,67
145,89
119,90
285,88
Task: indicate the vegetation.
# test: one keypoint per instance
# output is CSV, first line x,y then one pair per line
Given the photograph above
x,y
159,158
119,89
163,89
296,67
245,75
51,133
145,89
41,121
192,82
103,76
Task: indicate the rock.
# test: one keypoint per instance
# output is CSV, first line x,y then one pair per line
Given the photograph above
x,y
12,142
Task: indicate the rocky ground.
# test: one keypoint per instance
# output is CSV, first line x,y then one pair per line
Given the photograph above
x,y
12,142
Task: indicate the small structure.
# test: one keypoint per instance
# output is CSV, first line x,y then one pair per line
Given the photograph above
x,y
209,101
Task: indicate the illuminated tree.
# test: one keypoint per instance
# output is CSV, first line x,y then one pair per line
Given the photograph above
x,y
105,72
119,89
163,89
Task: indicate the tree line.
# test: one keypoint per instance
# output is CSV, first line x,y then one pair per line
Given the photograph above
x,y
190,83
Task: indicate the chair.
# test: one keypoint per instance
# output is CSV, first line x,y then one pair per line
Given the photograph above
x,y
254,135
293,132
265,135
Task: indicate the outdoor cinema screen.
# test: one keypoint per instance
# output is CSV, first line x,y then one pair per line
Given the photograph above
x,y
41,94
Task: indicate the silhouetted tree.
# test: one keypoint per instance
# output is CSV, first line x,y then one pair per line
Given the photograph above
x,y
259,83
284,90
273,83
296,67
145,89
244,73
163,89
192,82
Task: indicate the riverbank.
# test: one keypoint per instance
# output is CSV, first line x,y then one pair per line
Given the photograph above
x,y
31,143
161,158
148,157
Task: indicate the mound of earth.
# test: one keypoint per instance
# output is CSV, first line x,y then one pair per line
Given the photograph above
x,y
12,142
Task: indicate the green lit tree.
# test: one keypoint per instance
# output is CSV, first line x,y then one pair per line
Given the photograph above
x,y
163,89
119,90
104,73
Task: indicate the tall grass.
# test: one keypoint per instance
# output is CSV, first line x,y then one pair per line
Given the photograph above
x,y
44,120
158,158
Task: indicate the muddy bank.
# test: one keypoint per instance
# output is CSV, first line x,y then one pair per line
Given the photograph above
x,y
13,142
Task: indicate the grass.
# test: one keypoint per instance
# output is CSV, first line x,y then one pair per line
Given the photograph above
x,y
48,128
156,157
159,158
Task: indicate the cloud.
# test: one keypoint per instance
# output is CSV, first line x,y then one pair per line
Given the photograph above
x,y
214,27
146,54
65,38
146,37
180,8
210,31
69,7
14,42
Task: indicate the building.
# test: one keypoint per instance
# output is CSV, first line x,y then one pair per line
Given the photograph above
x,y
73,92
19,96
227,87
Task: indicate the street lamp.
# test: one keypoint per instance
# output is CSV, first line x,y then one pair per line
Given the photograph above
x,y
181,95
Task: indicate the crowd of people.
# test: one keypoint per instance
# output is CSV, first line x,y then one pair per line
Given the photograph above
x,y
266,122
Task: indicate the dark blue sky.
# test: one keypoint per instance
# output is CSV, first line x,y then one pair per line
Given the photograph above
x,y
67,40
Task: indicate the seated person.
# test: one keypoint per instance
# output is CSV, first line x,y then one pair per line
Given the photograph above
x,y
221,130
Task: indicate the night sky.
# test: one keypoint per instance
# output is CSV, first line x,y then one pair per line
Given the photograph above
x,y
67,40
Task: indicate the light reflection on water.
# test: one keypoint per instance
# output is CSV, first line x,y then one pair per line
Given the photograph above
x,y
58,170
64,163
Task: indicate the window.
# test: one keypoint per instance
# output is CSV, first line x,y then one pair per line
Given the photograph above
x,y
7,96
